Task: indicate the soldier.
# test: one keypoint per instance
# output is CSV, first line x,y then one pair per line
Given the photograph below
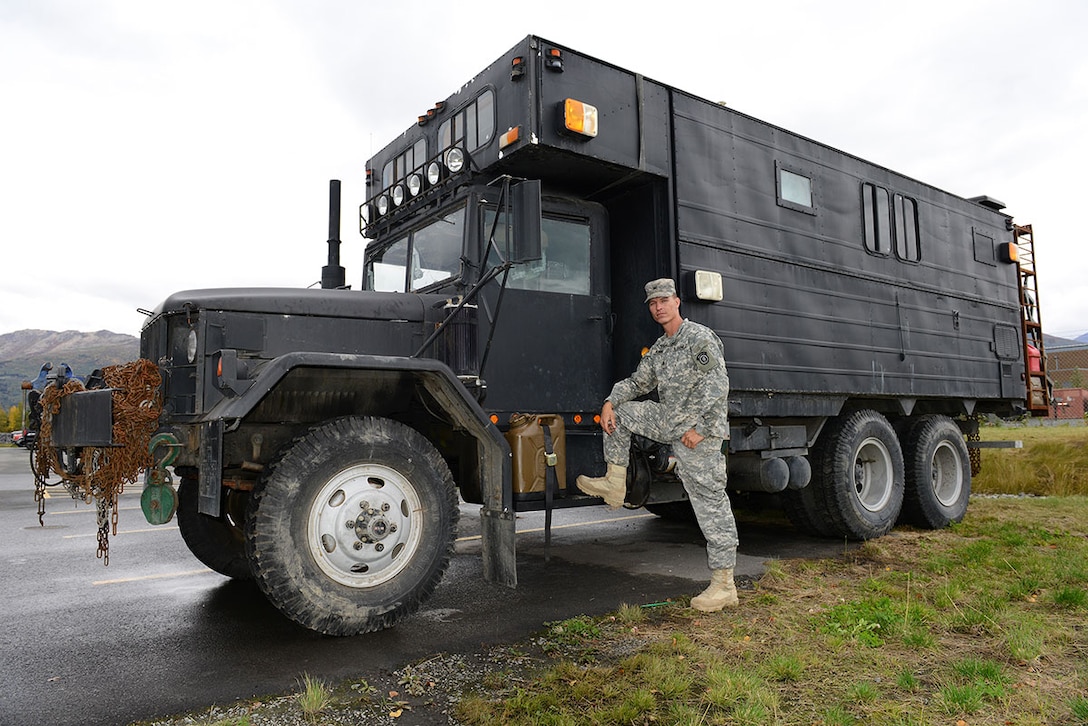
x,y
687,367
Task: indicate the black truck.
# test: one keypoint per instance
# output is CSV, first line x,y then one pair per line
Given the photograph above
x,y
321,438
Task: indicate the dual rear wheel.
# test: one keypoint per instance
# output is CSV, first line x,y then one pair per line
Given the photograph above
x,y
866,477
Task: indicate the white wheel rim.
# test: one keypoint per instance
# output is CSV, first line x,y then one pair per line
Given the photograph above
x,y
947,474
365,525
873,474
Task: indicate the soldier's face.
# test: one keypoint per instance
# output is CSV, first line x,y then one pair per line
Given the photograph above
x,y
664,309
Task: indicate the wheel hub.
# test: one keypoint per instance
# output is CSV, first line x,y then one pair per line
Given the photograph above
x,y
364,525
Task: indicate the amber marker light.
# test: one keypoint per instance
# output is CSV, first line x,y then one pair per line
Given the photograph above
x,y
597,418
494,418
577,418
580,118
509,137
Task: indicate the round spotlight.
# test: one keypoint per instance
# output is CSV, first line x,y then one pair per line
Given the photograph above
x,y
364,213
398,195
434,173
190,346
415,184
383,205
455,160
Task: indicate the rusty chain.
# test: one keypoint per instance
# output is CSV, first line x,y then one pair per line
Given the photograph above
x,y
100,474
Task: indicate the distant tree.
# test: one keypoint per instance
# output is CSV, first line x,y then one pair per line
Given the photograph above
x,y
14,418
1077,379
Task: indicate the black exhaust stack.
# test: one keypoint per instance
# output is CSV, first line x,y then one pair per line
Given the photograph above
x,y
332,274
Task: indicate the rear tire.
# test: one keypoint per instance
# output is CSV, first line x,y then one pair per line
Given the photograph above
x,y
354,526
938,473
218,542
857,476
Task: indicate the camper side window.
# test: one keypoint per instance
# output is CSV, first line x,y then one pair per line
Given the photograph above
x,y
794,189
891,222
877,218
907,247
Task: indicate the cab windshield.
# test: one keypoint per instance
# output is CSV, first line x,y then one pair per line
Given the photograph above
x,y
421,258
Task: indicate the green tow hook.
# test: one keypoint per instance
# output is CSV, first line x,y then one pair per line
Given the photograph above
x,y
159,500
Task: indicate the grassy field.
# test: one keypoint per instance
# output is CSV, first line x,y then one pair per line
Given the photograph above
x,y
1054,461
983,623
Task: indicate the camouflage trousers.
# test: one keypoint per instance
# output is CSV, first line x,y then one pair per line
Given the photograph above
x,y
702,470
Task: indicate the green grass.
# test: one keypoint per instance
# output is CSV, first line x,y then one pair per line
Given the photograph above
x,y
1053,461
984,622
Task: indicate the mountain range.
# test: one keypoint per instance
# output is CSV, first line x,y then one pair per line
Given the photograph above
x,y
23,352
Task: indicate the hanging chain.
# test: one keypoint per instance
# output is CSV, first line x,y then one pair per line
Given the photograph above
x,y
99,474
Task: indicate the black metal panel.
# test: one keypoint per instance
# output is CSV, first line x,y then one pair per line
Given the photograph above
x,y
211,467
85,418
807,308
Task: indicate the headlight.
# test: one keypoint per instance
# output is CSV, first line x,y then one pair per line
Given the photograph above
x,y
398,195
434,173
415,184
190,346
455,160
383,205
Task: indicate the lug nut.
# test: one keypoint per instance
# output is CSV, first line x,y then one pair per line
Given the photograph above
x,y
379,547
357,545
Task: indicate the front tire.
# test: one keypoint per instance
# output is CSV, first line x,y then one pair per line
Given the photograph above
x,y
938,473
858,475
354,526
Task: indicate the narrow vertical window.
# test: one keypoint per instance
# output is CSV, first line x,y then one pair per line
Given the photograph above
x,y
907,247
876,218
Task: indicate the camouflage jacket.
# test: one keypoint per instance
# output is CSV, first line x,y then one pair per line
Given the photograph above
x,y
688,371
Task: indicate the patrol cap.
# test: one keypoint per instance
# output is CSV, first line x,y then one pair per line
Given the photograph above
x,y
662,287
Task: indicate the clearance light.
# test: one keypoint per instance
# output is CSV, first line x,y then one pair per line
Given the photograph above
x,y
708,285
596,418
553,60
580,118
434,173
577,418
455,160
1008,252
509,137
517,68
415,184
494,418
644,352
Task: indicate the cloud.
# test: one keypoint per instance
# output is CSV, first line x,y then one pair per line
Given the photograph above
x,y
162,147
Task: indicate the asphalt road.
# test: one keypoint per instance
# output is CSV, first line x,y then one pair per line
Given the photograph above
x,y
156,633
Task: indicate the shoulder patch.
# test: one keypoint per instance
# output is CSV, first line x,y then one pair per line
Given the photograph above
x,y
705,361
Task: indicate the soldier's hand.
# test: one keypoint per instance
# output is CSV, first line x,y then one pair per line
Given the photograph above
x,y
608,418
691,438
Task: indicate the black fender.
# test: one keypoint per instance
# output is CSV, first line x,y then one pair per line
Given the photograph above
x,y
456,401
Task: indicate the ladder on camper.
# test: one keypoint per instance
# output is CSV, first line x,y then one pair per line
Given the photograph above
x,y
1038,392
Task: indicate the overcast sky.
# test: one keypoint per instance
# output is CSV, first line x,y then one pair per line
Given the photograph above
x,y
149,146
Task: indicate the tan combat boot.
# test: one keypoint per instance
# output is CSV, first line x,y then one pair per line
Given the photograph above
x,y
721,593
612,487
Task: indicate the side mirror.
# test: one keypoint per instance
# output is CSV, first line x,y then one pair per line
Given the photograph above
x,y
525,196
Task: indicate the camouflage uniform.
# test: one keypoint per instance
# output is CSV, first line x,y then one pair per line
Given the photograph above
x,y
688,371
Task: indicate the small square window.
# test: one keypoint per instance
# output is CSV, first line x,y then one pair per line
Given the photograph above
x,y
794,189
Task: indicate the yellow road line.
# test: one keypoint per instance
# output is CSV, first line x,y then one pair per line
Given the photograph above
x,y
123,531
567,526
164,576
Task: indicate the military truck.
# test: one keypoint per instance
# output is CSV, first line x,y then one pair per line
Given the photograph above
x,y
321,438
